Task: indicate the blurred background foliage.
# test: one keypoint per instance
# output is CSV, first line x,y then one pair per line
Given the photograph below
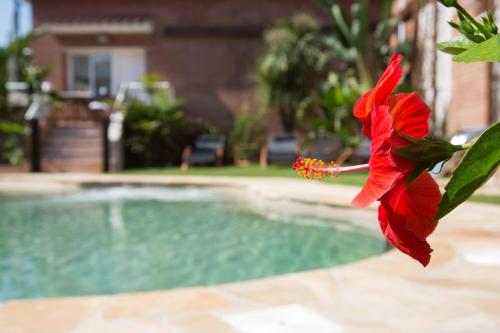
x,y
309,73
315,73
27,70
13,128
289,66
156,132
247,136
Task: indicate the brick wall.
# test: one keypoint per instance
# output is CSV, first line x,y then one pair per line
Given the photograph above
x,y
470,99
212,73
469,107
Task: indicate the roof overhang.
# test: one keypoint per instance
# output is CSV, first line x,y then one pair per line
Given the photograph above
x,y
89,26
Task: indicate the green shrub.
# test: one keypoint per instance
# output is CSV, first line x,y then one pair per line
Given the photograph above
x,y
156,134
13,128
288,69
247,136
12,135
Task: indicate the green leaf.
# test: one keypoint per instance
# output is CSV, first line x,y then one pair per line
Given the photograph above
x,y
455,46
12,127
478,165
488,51
426,153
341,23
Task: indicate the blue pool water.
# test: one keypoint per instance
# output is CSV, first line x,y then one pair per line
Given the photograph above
x,y
123,239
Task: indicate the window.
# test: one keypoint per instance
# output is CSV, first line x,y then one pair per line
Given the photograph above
x,y
100,71
91,73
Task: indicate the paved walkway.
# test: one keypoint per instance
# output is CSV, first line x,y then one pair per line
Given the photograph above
x,y
458,292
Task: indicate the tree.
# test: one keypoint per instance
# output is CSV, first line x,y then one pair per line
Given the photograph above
x,y
12,125
288,68
360,52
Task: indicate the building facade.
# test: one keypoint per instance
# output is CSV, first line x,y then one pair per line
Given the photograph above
x,y
205,49
462,96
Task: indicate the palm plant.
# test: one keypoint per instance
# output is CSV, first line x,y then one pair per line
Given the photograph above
x,y
335,101
247,135
156,128
151,130
359,55
356,43
292,58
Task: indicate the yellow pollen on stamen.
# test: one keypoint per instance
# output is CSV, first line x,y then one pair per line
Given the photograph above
x,y
312,168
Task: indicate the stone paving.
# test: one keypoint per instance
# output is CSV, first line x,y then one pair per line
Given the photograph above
x,y
458,292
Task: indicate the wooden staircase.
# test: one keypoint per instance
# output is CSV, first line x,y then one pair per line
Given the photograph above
x,y
73,149
73,140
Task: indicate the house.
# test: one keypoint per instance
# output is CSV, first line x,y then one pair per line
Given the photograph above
x,y
205,49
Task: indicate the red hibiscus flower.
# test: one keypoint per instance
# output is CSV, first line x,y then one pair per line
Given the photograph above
x,y
406,211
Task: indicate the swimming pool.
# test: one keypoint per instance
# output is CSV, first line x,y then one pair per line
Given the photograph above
x,y
124,239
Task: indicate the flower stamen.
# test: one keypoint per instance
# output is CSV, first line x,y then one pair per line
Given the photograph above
x,y
312,168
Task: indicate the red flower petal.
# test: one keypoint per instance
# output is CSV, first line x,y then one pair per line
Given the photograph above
x,y
380,180
383,171
406,214
393,228
417,203
379,95
382,125
410,115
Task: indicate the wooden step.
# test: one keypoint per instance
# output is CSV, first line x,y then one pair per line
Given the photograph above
x,y
72,143
71,166
76,131
71,123
73,148
72,155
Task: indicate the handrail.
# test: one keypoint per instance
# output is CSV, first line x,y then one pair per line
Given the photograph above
x,y
115,129
39,107
114,136
140,91
129,92
37,112
112,126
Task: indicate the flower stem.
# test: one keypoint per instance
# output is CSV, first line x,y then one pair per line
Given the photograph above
x,y
473,21
465,146
351,168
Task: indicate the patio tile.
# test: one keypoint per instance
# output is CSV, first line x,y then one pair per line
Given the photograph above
x,y
146,304
474,323
319,282
292,318
198,322
271,291
489,303
353,318
48,315
121,326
